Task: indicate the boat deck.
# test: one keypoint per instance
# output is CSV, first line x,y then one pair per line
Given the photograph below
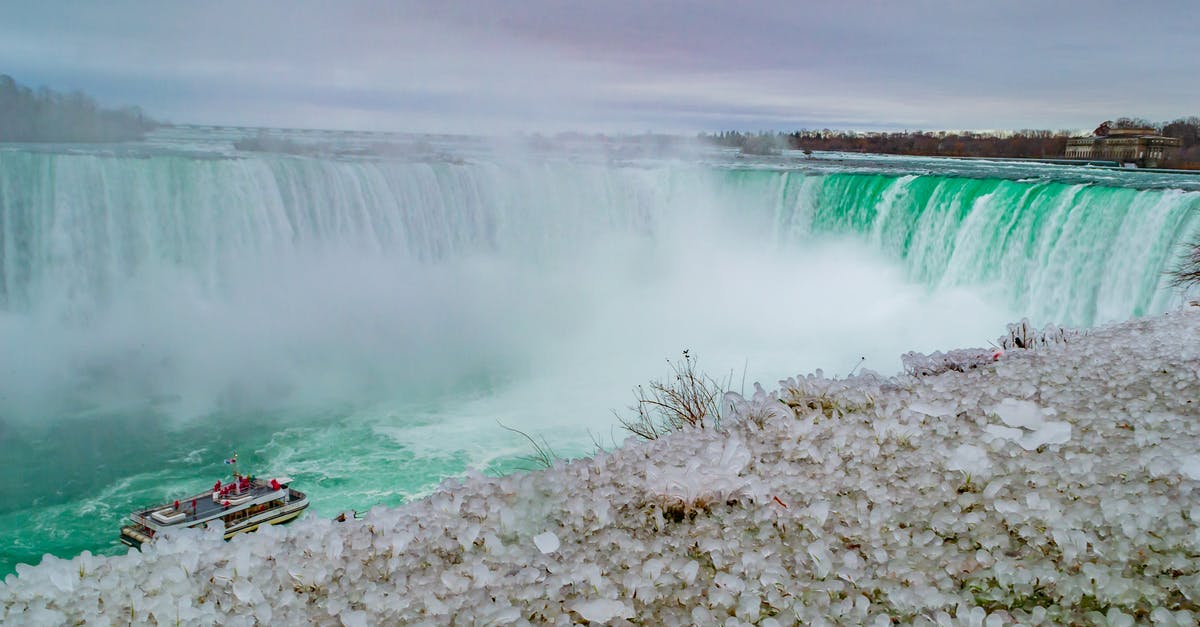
x,y
251,504
205,507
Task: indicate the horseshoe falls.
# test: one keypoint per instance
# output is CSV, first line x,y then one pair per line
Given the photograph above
x,y
371,324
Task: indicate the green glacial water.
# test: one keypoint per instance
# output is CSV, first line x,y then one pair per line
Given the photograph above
x,y
364,323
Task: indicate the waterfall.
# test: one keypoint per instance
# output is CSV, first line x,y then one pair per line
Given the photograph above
x,y
77,227
211,282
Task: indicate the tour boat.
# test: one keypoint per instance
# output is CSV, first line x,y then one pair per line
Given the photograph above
x,y
241,506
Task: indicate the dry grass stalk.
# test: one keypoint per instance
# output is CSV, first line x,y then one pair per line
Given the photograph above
x,y
687,399
543,456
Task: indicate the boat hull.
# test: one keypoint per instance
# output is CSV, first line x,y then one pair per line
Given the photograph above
x,y
134,537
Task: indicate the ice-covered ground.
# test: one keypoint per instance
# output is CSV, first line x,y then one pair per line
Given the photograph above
x,y
1056,483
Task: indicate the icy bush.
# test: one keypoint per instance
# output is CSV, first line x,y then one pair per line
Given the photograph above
x,y
959,360
686,399
829,398
1023,335
760,408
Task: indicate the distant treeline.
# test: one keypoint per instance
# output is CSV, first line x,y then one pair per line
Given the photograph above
x,y
49,116
1024,143
1188,130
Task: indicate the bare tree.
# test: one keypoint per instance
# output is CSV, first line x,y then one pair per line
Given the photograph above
x,y
1124,122
1187,273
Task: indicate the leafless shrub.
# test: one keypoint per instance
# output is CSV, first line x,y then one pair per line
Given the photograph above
x,y
1187,273
688,398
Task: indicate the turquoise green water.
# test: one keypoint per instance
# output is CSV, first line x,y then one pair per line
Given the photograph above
x,y
1074,254
364,325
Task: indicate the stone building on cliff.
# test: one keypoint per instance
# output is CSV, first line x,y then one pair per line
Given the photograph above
x,y
1141,146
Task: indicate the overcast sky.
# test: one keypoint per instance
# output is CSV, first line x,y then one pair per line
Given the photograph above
x,y
617,65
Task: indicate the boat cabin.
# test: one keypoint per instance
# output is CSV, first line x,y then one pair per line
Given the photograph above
x,y
241,505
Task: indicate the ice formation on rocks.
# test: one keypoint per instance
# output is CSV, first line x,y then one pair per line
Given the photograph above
x,y
1026,425
959,360
864,500
714,475
1023,335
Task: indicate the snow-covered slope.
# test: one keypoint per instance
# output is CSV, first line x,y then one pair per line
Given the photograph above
x,y
1051,485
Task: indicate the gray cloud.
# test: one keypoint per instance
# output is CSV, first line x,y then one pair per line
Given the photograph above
x,y
618,65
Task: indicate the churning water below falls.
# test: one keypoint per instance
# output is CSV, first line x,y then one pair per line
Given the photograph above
x,y
366,323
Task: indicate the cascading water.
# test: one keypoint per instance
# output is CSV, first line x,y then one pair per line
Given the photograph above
x,y
1077,254
363,323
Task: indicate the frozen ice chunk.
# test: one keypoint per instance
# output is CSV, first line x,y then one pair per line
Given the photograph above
x,y
1190,466
1017,413
819,510
546,542
970,459
1007,433
714,474
822,559
934,409
1050,433
1027,425
354,618
602,610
